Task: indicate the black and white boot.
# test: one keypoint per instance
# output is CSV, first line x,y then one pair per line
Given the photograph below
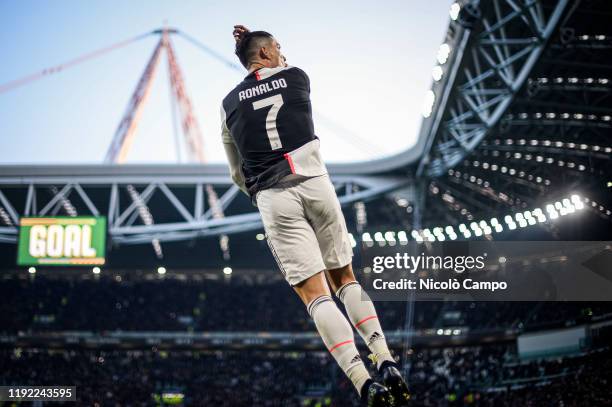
x,y
393,380
374,394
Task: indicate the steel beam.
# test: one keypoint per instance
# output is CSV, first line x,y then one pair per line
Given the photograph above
x,y
460,122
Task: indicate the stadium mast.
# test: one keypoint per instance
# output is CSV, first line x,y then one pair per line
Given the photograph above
x,y
124,135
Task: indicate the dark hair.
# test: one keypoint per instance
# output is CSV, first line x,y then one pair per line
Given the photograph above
x,y
249,45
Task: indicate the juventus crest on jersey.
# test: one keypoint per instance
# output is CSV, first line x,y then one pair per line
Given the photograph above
x,y
268,116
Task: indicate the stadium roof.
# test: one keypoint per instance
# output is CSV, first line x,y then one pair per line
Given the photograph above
x,y
518,118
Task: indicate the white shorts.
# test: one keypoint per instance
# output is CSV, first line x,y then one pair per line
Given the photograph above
x,y
305,228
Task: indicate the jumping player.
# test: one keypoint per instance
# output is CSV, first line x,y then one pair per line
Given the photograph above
x,y
274,158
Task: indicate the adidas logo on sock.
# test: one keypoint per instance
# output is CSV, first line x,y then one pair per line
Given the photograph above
x,y
356,359
374,337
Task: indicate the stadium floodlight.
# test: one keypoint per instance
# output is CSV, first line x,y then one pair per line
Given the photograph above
x,y
32,270
443,53
568,206
502,259
227,271
390,236
96,270
436,73
455,8
579,205
430,237
161,270
403,202
430,98
352,240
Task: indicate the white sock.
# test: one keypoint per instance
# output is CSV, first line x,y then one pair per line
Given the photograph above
x,y
362,315
338,337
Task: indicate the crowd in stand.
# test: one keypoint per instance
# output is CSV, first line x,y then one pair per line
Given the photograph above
x,y
484,375
44,304
131,378
480,376
493,376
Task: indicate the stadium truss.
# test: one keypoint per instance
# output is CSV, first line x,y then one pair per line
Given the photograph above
x,y
492,60
518,115
173,196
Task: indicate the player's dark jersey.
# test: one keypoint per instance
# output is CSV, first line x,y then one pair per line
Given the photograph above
x,y
269,118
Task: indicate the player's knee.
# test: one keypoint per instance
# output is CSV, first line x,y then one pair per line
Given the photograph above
x,y
311,288
341,276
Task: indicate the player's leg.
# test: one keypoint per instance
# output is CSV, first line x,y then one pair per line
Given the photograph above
x,y
294,245
325,214
333,328
361,312
362,315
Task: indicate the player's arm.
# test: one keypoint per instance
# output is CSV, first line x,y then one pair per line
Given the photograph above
x,y
235,163
233,156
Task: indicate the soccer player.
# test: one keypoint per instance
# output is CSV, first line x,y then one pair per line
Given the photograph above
x,y
274,158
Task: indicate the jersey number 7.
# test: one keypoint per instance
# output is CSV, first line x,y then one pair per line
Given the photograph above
x,y
276,102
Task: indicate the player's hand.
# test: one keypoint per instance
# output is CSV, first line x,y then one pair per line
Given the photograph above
x,y
239,31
